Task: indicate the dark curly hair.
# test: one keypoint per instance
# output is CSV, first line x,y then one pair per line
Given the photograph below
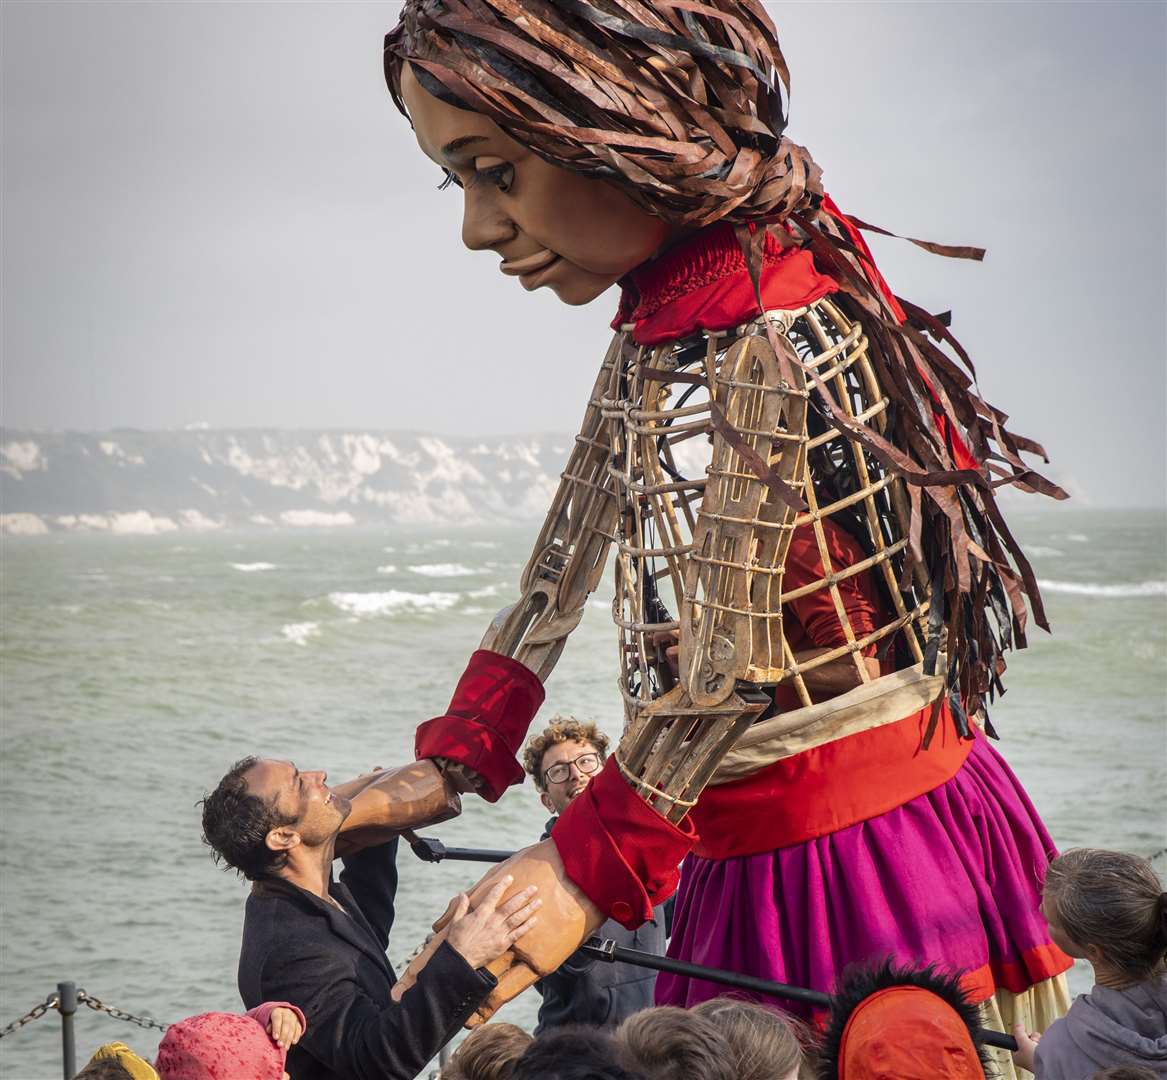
x,y
236,824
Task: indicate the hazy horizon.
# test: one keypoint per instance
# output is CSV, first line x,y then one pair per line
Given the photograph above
x,y
213,214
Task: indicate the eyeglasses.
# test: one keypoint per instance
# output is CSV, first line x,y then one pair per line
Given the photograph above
x,y
561,770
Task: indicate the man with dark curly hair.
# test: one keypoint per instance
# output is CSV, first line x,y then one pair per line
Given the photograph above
x,y
562,759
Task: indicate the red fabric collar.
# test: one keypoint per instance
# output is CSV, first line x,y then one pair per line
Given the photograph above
x,y
702,284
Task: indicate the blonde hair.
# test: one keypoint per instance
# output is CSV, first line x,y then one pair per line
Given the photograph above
x,y
561,729
765,1043
1113,901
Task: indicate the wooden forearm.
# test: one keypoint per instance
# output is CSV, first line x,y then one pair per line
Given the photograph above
x,y
409,797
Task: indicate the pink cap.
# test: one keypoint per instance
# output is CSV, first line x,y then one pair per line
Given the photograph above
x,y
219,1046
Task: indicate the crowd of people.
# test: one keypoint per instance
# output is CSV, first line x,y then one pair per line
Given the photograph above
x,y
321,992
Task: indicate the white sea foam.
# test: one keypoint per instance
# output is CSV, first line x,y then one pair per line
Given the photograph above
x,y
483,544
388,568
252,567
1078,538
444,569
1039,552
483,593
299,633
388,550
1077,588
316,518
391,602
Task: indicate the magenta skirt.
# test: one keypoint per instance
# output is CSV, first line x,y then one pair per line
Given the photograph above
x,y
952,877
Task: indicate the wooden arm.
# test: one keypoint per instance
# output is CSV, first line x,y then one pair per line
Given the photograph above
x,y
569,555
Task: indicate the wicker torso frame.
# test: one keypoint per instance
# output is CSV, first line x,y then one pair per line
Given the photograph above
x,y
697,460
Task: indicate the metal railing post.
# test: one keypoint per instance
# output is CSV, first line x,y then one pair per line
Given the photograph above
x,y
67,1006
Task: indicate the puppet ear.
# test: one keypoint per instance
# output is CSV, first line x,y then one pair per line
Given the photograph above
x,y
283,838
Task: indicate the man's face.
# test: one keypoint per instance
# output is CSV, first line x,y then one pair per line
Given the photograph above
x,y
303,798
569,761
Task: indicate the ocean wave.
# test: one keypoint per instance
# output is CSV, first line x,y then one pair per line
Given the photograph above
x,y
483,593
252,567
1087,588
391,602
443,569
388,568
1039,552
483,544
299,633
1078,538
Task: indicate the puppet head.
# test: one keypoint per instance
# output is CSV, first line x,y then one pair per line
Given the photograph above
x,y
586,137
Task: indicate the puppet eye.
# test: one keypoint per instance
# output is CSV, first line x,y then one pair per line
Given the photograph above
x,y
501,176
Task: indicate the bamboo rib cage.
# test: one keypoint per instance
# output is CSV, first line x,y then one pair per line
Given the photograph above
x,y
706,437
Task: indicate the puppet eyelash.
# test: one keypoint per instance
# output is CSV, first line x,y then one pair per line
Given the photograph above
x,y
450,179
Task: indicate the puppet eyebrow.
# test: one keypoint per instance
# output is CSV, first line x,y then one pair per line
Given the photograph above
x,y
455,145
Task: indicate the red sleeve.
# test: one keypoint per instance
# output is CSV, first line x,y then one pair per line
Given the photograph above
x,y
487,720
261,1014
816,612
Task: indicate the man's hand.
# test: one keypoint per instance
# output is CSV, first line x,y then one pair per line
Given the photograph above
x,y
486,932
284,1028
1026,1052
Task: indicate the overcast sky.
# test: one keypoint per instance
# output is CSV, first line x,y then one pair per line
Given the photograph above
x,y
212,213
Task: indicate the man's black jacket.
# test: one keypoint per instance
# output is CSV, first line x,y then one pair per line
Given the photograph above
x,y
299,949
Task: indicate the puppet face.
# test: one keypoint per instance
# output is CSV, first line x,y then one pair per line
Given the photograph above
x,y
551,226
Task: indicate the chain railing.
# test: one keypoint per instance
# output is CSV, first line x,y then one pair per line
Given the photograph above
x,y
65,1001
35,1013
97,1005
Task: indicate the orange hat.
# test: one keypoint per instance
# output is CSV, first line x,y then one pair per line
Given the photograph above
x,y
907,1033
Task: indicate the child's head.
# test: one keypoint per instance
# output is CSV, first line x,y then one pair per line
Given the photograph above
x,y
488,1053
116,1061
1107,906
667,1043
572,1053
765,1043
215,1046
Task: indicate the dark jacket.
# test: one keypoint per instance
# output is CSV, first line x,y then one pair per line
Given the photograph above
x,y
299,949
593,992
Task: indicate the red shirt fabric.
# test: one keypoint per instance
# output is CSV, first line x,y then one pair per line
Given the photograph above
x,y
811,621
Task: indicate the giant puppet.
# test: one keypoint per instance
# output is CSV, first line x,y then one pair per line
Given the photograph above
x,y
798,479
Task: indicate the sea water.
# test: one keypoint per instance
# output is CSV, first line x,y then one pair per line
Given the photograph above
x,y
137,669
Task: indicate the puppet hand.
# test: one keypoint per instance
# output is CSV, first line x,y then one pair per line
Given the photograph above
x,y
566,919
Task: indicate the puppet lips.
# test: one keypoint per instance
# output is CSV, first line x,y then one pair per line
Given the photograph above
x,y
528,264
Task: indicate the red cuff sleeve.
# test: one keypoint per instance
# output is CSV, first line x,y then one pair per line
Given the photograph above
x,y
492,707
619,850
261,1014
